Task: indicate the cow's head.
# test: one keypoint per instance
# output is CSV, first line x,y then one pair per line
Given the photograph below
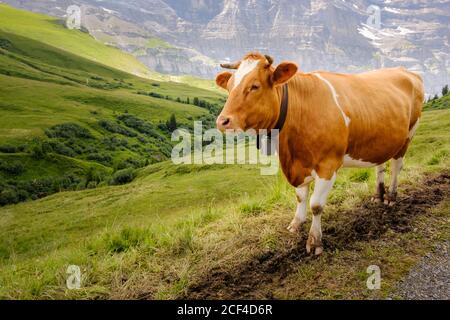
x,y
253,101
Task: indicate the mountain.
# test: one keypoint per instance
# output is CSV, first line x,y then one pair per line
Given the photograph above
x,y
191,36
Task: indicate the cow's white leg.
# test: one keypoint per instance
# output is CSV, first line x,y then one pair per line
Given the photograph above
x,y
300,215
318,200
396,167
379,196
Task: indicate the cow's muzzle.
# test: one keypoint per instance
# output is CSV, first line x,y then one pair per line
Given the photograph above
x,y
224,123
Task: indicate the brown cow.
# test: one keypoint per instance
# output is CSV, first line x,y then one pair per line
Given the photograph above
x,y
333,121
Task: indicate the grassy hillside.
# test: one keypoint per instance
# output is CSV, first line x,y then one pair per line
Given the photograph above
x,y
54,103
51,31
439,103
158,235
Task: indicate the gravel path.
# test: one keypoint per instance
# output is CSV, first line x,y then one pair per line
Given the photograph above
x,y
430,278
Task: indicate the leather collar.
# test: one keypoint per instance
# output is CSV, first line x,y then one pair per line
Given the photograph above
x,y
282,117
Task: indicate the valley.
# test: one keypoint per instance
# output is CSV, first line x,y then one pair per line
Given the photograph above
x,y
68,122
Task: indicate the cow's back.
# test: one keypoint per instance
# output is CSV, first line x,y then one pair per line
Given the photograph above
x,y
383,106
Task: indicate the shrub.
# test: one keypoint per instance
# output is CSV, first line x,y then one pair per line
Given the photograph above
x,y
139,125
14,168
116,128
91,185
171,124
100,157
61,148
123,176
81,186
5,44
39,150
17,191
68,130
22,195
94,175
163,127
131,163
8,196
156,95
111,143
8,149
40,188
152,94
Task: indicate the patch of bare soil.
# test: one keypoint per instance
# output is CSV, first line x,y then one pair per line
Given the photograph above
x,y
256,278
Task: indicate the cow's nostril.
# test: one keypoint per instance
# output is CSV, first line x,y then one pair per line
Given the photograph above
x,y
226,122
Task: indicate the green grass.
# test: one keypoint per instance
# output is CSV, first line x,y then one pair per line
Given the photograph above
x,y
172,223
56,166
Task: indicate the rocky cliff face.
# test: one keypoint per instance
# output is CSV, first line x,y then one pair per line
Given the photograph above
x,y
191,36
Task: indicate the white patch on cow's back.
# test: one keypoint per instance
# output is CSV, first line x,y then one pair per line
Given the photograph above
x,y
349,162
413,129
245,68
335,97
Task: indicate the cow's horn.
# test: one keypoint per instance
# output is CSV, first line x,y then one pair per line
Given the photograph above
x,y
234,65
269,59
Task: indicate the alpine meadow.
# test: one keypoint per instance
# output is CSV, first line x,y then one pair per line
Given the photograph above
x,y
86,180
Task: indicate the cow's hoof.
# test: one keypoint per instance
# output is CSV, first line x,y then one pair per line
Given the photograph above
x,y
295,226
376,199
390,199
389,203
314,244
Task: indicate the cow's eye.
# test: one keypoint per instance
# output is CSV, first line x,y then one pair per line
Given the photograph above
x,y
254,87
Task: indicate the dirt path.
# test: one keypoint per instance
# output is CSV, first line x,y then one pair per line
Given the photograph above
x,y
430,278
256,278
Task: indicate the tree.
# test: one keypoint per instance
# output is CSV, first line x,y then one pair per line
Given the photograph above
x,y
171,124
188,101
445,90
435,97
196,101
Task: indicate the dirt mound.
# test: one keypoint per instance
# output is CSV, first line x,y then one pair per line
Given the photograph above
x,y
368,221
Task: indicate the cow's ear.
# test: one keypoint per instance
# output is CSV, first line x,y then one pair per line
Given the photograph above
x,y
283,73
222,79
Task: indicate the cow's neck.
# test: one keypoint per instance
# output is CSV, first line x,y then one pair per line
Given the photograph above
x,y
283,103
295,158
